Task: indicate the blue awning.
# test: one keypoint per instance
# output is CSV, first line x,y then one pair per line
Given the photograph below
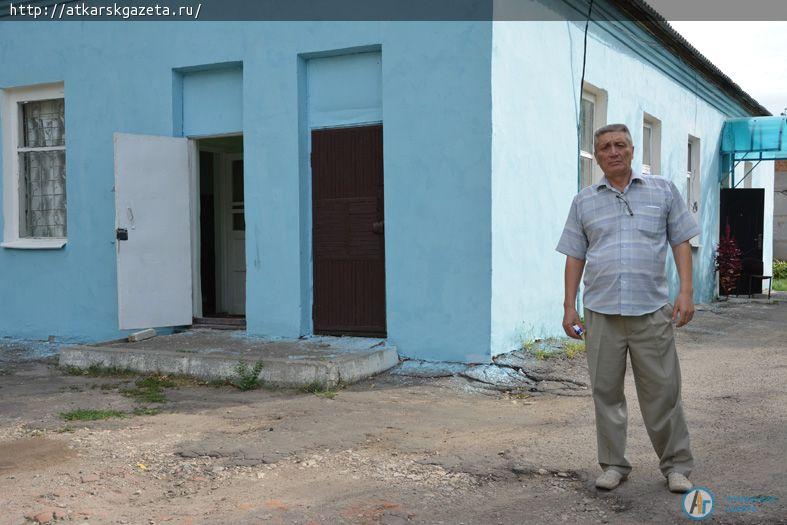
x,y
755,138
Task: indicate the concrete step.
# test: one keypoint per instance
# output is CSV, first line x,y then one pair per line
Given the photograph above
x,y
220,323
214,355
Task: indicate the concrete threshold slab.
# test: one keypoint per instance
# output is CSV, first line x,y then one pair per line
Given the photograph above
x,y
215,354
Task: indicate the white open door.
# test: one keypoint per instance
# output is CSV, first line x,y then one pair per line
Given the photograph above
x,y
152,217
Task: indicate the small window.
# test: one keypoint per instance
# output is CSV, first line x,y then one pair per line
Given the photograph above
x,y
42,169
592,115
651,145
693,181
34,167
587,111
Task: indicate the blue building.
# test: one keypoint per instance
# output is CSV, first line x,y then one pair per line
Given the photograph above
x,y
390,178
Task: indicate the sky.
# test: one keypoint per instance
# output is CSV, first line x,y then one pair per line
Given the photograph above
x,y
752,54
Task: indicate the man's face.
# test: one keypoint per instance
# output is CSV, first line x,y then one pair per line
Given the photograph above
x,y
614,153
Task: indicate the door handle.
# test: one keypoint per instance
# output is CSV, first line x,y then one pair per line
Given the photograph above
x,y
378,227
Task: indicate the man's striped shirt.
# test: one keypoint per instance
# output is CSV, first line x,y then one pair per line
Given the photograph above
x,y
623,237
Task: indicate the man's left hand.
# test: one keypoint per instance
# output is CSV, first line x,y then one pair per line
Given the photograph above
x,y
683,310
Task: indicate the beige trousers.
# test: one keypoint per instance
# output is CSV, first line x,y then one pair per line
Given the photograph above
x,y
650,341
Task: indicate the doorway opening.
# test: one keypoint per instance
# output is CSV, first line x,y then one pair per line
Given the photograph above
x,y
222,232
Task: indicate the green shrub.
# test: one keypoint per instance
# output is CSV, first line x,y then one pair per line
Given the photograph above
x,y
779,269
247,378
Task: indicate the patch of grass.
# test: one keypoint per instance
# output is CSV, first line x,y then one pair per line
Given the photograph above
x,y
569,349
779,269
149,389
780,285
319,389
527,346
6,372
87,414
246,377
146,411
542,354
574,348
520,395
64,429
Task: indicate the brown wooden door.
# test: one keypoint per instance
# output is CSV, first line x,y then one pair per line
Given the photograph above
x,y
348,236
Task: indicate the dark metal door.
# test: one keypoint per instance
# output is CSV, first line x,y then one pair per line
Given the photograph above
x,y
744,211
348,236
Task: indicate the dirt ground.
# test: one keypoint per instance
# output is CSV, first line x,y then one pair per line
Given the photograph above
x,y
392,450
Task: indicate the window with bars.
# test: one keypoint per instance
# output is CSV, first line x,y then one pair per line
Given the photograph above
x,y
42,169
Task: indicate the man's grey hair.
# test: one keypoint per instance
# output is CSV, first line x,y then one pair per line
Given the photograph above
x,y
609,128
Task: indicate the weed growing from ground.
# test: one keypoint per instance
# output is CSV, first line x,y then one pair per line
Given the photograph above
x,y
247,378
146,411
563,348
574,349
542,354
149,389
319,389
87,414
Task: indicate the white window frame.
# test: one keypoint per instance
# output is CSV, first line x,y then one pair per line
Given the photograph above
x,y
598,97
654,124
694,182
11,101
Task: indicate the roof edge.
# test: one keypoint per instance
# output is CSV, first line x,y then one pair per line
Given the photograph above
x,y
654,23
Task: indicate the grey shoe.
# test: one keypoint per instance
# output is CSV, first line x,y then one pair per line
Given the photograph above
x,y
610,479
678,483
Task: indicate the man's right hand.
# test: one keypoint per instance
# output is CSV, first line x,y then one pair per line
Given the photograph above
x,y
570,318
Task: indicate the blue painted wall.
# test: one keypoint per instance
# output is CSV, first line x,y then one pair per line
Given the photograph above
x,y
434,88
211,100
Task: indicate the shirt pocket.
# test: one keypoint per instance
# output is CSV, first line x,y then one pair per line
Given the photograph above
x,y
651,220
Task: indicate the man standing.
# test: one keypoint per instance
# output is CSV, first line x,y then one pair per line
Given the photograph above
x,y
617,232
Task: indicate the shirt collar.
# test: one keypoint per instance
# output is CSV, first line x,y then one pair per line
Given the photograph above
x,y
604,183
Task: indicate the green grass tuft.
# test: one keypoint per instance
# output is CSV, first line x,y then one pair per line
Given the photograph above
x,y
319,389
86,414
149,389
146,411
246,377
568,349
574,348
